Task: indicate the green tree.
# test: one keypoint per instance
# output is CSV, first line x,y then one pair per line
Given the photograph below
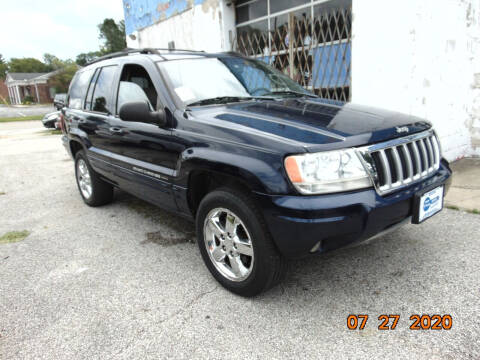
x,y
3,67
84,58
27,65
61,80
113,35
54,62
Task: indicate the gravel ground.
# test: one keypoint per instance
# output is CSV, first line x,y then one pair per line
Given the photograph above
x,y
127,281
25,110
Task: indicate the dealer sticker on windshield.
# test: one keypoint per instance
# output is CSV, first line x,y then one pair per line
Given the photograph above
x,y
430,203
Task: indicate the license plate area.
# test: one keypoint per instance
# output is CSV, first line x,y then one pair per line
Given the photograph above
x,y
427,203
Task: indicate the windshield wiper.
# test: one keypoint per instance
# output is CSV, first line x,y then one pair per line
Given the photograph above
x,y
221,100
290,92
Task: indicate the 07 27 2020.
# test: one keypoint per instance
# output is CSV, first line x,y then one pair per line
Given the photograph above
x,y
390,321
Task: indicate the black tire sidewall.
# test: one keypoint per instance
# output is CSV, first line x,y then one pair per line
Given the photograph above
x,y
81,156
102,192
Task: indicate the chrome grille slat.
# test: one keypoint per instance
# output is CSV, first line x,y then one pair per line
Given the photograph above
x,y
386,169
409,159
430,154
418,163
423,152
436,149
398,165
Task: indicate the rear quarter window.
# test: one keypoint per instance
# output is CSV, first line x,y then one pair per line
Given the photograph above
x,y
78,89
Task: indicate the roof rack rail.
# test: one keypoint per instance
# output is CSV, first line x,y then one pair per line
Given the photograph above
x,y
181,50
155,51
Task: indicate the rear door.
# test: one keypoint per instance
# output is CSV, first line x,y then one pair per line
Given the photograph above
x,y
98,111
100,106
74,112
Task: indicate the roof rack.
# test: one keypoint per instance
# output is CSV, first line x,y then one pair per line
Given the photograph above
x,y
181,50
154,51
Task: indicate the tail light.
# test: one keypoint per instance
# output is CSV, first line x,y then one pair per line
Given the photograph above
x,y
61,123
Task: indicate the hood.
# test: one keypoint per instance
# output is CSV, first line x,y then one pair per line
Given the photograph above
x,y
315,124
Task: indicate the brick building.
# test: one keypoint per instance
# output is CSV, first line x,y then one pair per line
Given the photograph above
x,y
20,85
3,92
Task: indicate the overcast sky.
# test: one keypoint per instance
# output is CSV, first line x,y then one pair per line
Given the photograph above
x,y
63,28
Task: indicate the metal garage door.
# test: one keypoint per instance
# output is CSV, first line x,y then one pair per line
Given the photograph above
x,y
310,41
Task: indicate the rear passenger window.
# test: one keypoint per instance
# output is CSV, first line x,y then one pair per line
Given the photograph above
x,y
79,89
103,89
88,100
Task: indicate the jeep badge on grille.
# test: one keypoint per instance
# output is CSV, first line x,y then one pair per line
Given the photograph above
x,y
401,129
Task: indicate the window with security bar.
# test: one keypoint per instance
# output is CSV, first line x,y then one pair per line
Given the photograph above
x,y
310,41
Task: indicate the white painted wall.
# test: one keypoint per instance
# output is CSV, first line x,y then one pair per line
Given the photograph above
x,y
209,26
421,58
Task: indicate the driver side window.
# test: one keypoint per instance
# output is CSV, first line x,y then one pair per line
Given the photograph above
x,y
136,86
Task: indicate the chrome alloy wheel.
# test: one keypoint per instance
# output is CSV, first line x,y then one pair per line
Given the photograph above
x,y
228,244
84,179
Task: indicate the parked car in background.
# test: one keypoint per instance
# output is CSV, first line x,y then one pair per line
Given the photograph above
x,y
59,101
50,120
266,169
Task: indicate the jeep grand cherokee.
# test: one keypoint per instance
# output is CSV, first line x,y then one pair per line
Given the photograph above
x,y
267,170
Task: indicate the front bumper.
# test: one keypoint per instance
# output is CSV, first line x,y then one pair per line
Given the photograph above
x,y
299,224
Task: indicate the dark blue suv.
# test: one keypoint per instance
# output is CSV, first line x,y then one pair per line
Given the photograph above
x,y
267,170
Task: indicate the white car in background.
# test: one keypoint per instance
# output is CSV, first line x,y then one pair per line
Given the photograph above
x,y
50,120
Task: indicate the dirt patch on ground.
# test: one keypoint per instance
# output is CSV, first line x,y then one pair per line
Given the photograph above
x,y
167,238
176,229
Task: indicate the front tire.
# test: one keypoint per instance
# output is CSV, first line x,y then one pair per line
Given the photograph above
x,y
94,191
235,243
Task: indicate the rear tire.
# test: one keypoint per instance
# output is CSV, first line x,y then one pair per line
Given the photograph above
x,y
94,191
242,269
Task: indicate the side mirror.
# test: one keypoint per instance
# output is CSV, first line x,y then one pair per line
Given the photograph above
x,y
140,112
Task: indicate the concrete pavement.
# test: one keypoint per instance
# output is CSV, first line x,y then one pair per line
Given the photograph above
x,y
24,110
126,281
464,193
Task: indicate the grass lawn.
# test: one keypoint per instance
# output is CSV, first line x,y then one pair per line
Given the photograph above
x,y
22,118
52,132
13,236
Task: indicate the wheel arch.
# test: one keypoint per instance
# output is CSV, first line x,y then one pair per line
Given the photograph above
x,y
201,175
75,146
201,182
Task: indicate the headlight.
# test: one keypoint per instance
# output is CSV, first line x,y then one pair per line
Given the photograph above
x,y
327,172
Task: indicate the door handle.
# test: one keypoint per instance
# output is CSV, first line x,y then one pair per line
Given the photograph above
x,y
116,130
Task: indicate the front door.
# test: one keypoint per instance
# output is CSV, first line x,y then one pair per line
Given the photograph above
x,y
145,152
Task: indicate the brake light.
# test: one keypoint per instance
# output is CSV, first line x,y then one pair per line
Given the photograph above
x,y
61,123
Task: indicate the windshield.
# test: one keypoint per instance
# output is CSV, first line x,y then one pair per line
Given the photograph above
x,y
227,78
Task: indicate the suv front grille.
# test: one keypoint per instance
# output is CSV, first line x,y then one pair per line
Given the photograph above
x,y
401,162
